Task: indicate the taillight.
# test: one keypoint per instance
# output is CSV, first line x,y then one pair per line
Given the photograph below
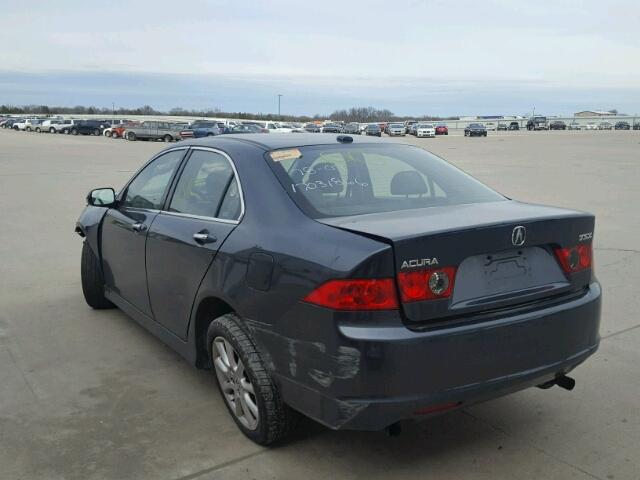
x,y
429,284
372,294
575,259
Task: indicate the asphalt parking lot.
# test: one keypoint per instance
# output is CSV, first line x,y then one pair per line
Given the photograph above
x,y
90,395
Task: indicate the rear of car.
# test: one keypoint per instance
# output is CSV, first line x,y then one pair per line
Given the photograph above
x,y
442,129
461,295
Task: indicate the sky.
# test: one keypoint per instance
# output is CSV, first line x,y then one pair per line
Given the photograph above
x,y
412,57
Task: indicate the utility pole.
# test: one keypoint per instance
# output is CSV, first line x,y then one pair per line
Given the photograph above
x,y
279,96
113,108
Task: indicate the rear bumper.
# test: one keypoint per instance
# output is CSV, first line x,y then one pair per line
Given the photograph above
x,y
367,373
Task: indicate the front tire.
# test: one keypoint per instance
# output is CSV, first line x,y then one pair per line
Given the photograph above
x,y
38,130
247,388
131,136
74,131
107,134
52,130
168,138
92,280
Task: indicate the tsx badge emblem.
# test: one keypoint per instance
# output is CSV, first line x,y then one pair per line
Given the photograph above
x,y
518,236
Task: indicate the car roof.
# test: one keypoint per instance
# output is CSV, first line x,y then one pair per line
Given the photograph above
x,y
275,141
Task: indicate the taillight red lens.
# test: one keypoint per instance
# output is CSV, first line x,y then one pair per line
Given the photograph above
x,y
429,284
574,259
373,294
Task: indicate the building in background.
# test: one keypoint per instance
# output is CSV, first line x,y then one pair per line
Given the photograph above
x,y
594,113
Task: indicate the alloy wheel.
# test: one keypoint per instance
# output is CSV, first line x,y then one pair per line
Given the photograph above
x,y
237,389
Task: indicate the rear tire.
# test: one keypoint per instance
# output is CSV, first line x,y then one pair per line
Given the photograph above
x,y
107,134
167,138
74,131
52,130
92,280
275,419
131,136
96,132
38,130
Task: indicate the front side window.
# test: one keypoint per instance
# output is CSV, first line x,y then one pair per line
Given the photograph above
x,y
148,189
203,187
341,180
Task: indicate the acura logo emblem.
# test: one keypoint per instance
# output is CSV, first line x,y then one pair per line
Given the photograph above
x,y
518,236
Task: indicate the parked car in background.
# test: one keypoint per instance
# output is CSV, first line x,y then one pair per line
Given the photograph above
x,y
502,127
85,127
425,130
514,126
201,129
537,123
332,128
475,130
591,126
151,130
622,126
373,129
636,126
413,127
312,128
10,122
408,124
557,125
605,126
243,129
575,126
31,124
119,131
490,126
396,129
351,128
54,125
442,129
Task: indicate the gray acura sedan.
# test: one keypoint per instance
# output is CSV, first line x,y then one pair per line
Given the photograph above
x,y
355,281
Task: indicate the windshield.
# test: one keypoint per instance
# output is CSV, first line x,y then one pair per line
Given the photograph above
x,y
396,125
425,125
357,179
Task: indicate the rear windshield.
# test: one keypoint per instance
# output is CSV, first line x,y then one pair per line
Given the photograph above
x,y
357,179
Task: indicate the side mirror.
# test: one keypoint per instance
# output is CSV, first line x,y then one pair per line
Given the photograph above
x,y
102,197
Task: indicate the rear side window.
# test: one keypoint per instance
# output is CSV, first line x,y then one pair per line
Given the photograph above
x,y
206,182
342,180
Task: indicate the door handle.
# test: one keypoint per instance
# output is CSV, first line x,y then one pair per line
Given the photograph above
x,y
203,238
139,227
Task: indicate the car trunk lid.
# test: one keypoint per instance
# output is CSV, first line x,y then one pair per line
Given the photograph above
x,y
494,270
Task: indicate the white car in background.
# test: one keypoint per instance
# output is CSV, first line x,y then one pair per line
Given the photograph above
x,y
425,130
273,127
490,126
51,125
26,124
591,126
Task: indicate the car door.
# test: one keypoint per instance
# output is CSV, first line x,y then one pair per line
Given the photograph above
x,y
125,227
204,208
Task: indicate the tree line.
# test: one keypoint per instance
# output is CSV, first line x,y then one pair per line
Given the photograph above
x,y
354,114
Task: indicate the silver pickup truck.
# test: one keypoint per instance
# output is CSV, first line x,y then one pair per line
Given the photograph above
x,y
151,130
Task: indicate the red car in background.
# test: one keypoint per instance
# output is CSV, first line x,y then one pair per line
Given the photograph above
x,y
118,131
442,130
